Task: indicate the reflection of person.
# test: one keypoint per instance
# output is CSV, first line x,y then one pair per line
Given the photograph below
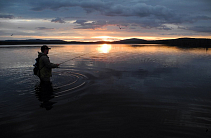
x,y
45,66
207,49
44,93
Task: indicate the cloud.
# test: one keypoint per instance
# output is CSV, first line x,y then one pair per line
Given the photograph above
x,y
144,23
192,19
84,24
52,4
140,10
7,16
58,20
44,28
106,8
111,9
150,16
204,29
182,27
81,22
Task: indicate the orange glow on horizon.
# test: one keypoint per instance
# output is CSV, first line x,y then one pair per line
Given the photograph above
x,y
106,38
86,37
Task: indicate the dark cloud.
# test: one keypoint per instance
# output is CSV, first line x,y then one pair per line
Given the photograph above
x,y
89,6
58,20
204,29
146,14
202,17
157,12
81,22
7,16
140,10
44,28
108,8
193,19
52,4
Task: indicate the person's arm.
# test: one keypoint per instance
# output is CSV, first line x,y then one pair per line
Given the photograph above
x,y
48,64
54,65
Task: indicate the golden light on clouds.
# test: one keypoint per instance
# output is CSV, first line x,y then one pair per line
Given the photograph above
x,y
105,38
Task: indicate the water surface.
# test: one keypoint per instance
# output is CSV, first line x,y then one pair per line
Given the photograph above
x,y
107,91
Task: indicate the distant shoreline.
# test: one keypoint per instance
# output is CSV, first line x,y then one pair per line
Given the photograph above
x,y
184,42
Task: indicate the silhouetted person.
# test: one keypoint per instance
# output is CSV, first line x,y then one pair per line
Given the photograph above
x,y
44,93
45,66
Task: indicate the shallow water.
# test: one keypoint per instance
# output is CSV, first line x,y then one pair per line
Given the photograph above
x,y
107,91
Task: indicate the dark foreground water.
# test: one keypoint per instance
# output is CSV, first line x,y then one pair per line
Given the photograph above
x,y
109,91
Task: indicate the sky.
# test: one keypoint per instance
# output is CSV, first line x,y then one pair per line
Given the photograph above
x,y
107,20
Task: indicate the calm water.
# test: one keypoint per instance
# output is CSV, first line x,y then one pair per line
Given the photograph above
x,y
107,91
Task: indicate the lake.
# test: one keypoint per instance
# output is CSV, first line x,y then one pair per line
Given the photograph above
x,y
107,91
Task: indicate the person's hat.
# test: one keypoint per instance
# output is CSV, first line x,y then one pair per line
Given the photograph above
x,y
44,47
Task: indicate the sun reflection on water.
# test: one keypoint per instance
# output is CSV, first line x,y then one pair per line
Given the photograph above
x,y
105,48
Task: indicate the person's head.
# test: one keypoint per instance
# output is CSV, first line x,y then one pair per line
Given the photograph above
x,y
45,49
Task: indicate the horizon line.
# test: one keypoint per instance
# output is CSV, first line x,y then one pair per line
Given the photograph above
x,y
103,40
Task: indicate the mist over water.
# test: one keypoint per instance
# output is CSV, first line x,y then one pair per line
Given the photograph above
x,y
107,91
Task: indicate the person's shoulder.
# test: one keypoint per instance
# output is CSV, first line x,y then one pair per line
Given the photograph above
x,y
42,55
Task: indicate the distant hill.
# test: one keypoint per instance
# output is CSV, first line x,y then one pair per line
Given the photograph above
x,y
31,41
187,42
130,41
180,42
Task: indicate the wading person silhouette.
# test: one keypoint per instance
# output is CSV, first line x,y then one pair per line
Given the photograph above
x,y
45,66
44,91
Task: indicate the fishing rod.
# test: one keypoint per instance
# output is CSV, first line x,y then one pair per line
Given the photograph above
x,y
75,57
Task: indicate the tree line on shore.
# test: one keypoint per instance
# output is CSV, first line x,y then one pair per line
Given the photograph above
x,y
184,42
